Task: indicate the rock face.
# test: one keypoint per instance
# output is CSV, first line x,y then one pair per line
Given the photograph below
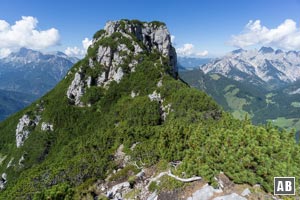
x,y
232,196
76,89
46,126
117,49
204,193
3,181
23,128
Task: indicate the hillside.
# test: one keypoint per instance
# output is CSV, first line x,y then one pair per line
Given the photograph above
x,y
248,82
11,102
121,125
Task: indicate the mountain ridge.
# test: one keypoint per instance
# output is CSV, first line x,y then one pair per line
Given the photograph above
x,y
121,125
266,66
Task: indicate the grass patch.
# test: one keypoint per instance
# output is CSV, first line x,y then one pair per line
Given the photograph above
x,y
282,122
295,104
269,98
236,103
215,77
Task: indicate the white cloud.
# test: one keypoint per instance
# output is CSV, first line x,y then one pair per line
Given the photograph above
x,y
286,35
79,51
86,43
202,53
4,52
74,51
24,33
172,38
188,50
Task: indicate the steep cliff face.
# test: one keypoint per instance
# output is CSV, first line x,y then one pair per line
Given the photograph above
x,y
117,50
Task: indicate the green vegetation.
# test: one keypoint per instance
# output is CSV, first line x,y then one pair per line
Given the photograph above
x,y
261,103
289,124
157,23
66,162
235,103
215,77
295,104
269,98
99,34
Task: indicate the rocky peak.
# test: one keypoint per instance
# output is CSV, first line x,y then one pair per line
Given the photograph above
x,y
266,50
116,50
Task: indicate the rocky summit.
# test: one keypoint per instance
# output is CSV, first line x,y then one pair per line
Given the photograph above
x,y
129,40
121,125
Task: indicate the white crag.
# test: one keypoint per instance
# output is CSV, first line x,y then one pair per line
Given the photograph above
x,y
159,84
265,64
134,94
3,181
155,96
164,109
22,131
76,89
116,191
46,126
21,160
10,163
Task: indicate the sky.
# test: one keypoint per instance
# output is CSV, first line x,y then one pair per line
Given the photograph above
x,y
199,28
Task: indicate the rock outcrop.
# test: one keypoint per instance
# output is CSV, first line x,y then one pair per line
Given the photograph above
x,y
3,181
23,128
46,126
76,89
164,109
116,53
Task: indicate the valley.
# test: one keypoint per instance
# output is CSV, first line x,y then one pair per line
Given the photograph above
x,y
242,93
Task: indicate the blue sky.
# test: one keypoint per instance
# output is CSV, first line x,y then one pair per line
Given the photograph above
x,y
200,27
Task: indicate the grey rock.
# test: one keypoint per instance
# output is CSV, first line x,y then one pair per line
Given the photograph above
x,y
22,131
159,84
155,96
205,193
76,89
153,196
104,56
116,191
3,181
21,160
118,75
89,81
101,79
246,192
10,163
164,109
46,126
232,196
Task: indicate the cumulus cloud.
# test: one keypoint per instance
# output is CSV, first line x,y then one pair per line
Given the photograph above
x,y
24,33
79,51
286,35
188,50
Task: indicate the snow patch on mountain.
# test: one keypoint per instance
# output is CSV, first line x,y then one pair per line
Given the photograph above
x,y
265,64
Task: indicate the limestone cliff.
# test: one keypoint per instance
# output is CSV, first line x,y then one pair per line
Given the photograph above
x,y
117,49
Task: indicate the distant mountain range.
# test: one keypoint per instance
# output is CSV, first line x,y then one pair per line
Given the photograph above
x,y
27,74
265,67
264,83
